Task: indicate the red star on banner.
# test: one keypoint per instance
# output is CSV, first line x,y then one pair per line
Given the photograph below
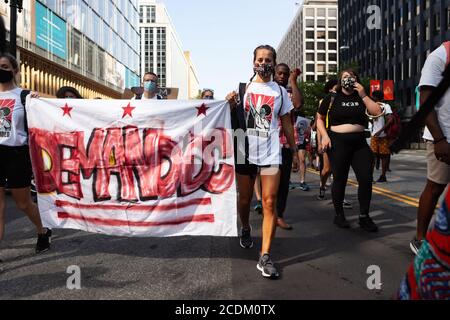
x,y
128,110
202,110
66,110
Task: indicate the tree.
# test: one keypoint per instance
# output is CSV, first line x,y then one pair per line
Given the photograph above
x,y
312,93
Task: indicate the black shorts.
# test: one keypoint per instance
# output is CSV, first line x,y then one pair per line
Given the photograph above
x,y
15,167
252,170
301,146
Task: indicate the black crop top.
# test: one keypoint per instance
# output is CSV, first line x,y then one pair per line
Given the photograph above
x,y
345,109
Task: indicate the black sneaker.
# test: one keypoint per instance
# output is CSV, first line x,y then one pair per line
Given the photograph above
x,y
267,267
341,222
382,179
246,240
415,245
321,195
43,242
367,224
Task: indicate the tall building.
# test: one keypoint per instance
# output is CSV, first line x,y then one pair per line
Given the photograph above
x,y
89,44
395,48
193,83
161,50
311,41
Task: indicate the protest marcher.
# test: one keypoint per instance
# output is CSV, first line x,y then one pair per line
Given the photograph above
x,y
324,159
68,93
302,125
342,120
263,103
15,163
285,77
428,276
325,166
150,87
380,141
437,136
207,94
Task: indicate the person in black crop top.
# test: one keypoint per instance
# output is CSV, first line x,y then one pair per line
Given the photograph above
x,y
341,120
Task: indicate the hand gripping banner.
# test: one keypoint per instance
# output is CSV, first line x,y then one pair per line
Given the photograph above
x,y
147,168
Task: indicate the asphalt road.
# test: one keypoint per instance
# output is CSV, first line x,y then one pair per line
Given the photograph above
x,y
317,260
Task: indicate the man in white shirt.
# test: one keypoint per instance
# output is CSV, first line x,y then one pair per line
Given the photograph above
x,y
380,141
437,136
150,85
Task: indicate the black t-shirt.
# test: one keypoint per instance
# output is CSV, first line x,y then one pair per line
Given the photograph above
x,y
346,109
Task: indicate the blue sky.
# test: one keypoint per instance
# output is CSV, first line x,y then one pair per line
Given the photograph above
x,y
222,34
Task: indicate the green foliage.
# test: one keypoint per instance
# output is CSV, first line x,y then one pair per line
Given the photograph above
x,y
312,92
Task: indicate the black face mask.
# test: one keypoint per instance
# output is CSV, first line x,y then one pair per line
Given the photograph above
x,y
6,76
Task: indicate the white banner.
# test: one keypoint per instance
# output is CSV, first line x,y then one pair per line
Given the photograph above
x,y
148,168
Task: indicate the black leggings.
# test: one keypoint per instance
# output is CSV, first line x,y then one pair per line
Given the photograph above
x,y
351,149
283,188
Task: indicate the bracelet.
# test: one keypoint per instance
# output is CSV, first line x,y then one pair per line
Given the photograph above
x,y
439,140
362,98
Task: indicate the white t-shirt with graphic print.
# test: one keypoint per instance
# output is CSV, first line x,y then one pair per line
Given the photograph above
x,y
12,125
432,76
262,106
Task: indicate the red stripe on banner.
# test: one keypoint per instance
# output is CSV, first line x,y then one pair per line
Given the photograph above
x,y
209,218
135,207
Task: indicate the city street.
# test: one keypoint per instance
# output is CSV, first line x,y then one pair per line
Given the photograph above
x,y
317,260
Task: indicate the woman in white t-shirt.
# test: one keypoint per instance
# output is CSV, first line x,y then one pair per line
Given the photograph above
x,y
15,164
264,103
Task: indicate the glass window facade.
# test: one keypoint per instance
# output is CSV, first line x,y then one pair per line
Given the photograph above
x,y
98,27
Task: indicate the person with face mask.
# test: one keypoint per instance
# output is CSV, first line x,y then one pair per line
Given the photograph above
x,y
261,106
150,85
207,94
341,120
15,163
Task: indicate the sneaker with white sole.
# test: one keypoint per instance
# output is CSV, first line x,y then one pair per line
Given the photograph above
x,y
267,267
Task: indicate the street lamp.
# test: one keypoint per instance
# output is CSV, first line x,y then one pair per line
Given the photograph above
x,y
16,5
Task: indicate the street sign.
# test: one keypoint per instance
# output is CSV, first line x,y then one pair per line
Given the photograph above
x,y
375,85
388,90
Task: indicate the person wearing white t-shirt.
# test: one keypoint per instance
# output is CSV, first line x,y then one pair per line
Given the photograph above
x,y
15,164
264,103
380,141
437,135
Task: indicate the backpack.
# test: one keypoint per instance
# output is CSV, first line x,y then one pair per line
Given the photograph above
x,y
393,131
23,99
